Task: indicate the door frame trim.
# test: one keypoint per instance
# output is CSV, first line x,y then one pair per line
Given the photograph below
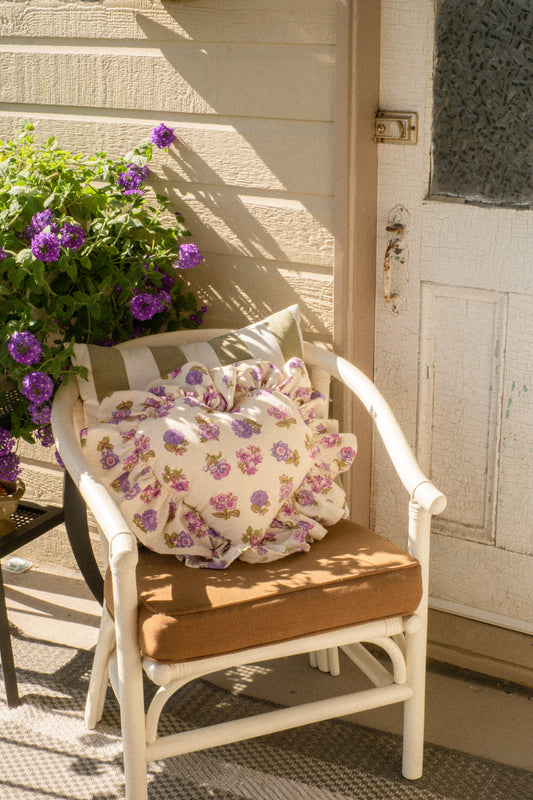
x,y
356,183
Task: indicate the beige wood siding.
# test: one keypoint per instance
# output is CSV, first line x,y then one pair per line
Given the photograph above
x,y
249,89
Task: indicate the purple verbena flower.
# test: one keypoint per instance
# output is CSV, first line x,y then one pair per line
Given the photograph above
x,y
7,443
24,348
40,414
46,246
37,387
166,282
189,257
131,180
72,236
163,299
45,435
9,467
144,306
39,222
3,254
162,136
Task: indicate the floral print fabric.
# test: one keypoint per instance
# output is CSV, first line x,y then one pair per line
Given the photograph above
x,y
234,462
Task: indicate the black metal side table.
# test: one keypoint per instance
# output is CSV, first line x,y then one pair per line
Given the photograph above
x,y
32,520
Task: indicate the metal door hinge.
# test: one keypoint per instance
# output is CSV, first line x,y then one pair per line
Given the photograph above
x,y
396,127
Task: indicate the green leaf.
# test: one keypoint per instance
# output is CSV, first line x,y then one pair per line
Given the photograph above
x,y
25,256
72,270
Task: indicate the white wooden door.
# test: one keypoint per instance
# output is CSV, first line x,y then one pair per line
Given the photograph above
x,y
454,352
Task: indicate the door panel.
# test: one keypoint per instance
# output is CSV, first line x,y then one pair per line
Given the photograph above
x,y
454,354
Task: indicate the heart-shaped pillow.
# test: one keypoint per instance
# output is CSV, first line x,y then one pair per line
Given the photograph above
x,y
214,465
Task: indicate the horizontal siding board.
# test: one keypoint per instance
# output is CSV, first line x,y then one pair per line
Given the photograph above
x,y
220,79
304,22
227,223
239,290
265,154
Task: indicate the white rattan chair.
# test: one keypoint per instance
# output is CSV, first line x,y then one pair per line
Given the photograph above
x,y
396,625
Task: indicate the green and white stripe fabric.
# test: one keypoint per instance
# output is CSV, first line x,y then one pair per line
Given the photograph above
x,y
276,338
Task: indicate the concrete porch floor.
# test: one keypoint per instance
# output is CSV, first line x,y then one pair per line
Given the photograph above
x,y
464,714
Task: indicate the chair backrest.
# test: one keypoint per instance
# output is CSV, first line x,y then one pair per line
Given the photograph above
x,y
320,378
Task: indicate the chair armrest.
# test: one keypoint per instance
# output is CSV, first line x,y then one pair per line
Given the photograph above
x,y
420,488
105,511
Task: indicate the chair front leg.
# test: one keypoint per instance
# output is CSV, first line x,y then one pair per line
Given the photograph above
x,y
416,648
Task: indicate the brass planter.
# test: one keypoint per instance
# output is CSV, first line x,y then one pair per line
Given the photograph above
x,y
9,504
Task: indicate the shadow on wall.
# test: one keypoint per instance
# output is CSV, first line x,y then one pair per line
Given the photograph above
x,y
266,224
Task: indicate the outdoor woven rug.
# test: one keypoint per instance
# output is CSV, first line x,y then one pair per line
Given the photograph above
x,y
46,753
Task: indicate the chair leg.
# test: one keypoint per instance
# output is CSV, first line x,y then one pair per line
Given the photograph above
x,y
414,709
134,733
105,645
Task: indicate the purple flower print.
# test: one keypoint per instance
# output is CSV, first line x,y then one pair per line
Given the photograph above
x,y
122,411
150,492
282,415
181,539
281,451
319,484
194,377
305,497
331,440
259,501
132,491
220,470
244,428
147,521
195,523
347,454
217,466
286,487
225,505
175,441
249,459
123,487
108,459
184,540
192,401
177,479
207,429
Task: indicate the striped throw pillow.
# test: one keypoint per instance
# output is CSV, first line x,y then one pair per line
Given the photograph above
x,y
276,338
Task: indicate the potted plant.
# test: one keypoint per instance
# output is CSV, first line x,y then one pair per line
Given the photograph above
x,y
88,253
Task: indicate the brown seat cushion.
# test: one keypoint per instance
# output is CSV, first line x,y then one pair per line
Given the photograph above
x,y
352,575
